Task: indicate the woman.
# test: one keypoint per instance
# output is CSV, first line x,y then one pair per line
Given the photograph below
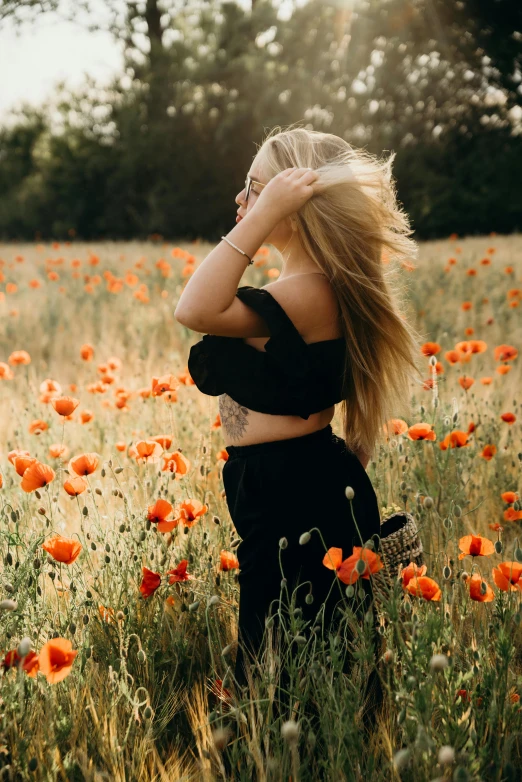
x,y
327,331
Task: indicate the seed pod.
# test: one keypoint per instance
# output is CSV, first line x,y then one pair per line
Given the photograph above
x,y
24,647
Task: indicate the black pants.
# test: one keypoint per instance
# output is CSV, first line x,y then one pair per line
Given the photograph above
x,y
282,489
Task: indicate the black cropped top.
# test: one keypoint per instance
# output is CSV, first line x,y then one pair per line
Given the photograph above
x,y
290,378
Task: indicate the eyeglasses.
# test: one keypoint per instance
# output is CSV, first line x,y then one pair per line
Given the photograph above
x,y
248,182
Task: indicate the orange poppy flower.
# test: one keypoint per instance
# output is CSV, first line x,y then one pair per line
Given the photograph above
x,y
410,571
176,463
75,486
65,405
19,357
87,352
16,452
165,440
421,431
455,439
36,476
146,451
61,549
466,382
488,452
510,514
29,663
107,614
21,463
6,373
86,416
58,449
475,546
84,464
505,353
228,561
190,511
395,426
179,573
475,592
37,427
430,349
509,496
508,576
164,383
347,569
157,514
50,386
150,582
56,658
423,586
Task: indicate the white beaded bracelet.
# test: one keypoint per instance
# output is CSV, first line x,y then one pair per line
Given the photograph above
x,y
237,248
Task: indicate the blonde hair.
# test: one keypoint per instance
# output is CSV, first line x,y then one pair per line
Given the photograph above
x,y
348,228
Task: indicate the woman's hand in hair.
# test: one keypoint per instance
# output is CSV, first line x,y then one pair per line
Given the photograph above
x,y
287,192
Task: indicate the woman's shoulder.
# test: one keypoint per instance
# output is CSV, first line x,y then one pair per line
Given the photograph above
x,y
310,302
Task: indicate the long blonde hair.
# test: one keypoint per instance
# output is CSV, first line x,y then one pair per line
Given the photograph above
x,y
349,227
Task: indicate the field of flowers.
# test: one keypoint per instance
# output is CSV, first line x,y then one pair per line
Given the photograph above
x,y
118,574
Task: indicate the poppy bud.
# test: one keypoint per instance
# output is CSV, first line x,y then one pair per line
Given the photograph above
x,y
24,647
33,764
309,599
349,492
304,538
9,587
41,511
446,572
518,554
446,755
300,639
349,591
85,510
290,731
216,519
147,713
118,470
119,615
428,503
8,605
194,606
498,546
457,510
401,759
214,600
360,566
85,619
141,656
438,662
283,543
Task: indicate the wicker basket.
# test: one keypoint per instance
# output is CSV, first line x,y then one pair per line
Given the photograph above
x,y
399,543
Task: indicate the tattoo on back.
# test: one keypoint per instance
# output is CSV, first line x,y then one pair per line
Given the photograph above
x,y
233,417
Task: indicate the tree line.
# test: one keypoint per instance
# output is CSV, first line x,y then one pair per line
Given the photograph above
x,y
165,148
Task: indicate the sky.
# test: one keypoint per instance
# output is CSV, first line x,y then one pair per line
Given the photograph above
x,y
43,53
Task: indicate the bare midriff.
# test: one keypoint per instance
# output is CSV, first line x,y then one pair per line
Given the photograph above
x,y
242,426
